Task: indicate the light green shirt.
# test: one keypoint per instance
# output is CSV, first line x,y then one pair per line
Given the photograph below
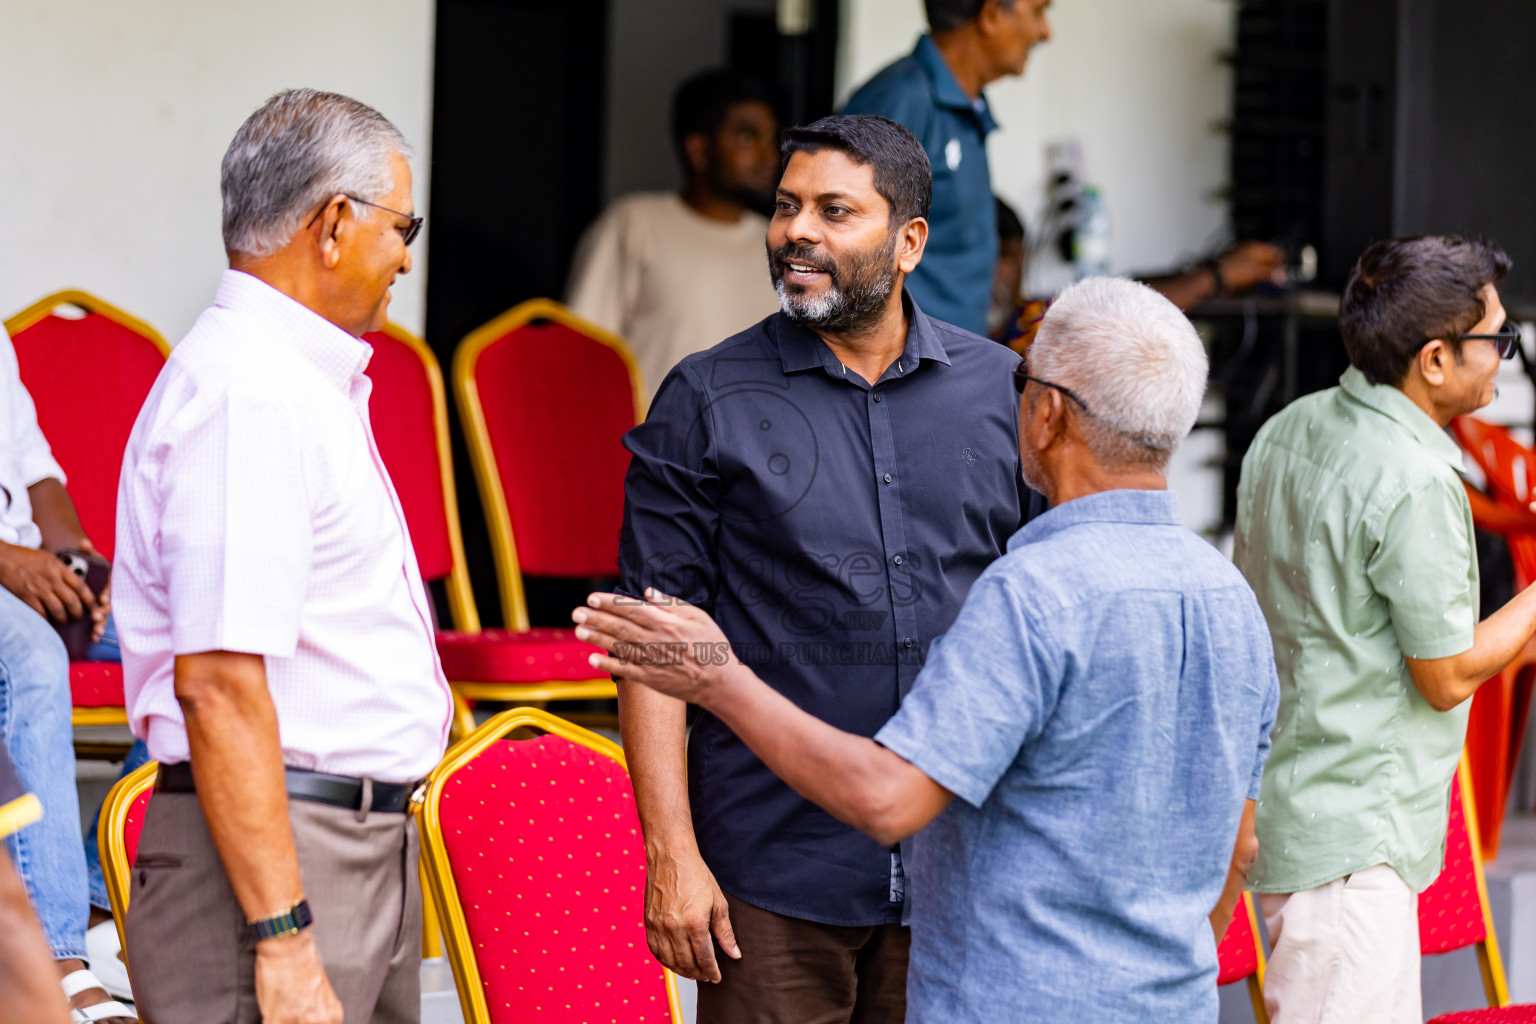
x,y
1354,531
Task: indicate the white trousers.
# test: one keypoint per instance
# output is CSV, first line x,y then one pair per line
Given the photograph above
x,y
1345,953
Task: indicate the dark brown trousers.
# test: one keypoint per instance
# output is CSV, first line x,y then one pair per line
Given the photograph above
x,y
800,972
194,962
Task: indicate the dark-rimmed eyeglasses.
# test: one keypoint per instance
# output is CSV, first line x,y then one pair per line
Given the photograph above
x,y
408,232
1506,339
1021,377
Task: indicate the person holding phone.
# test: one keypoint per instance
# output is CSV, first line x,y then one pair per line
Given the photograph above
x,y
39,593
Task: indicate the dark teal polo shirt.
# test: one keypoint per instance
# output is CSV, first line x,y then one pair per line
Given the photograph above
x,y
954,281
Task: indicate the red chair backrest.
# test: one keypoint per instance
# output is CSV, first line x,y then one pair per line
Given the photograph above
x,y
1508,465
133,824
1451,910
1237,956
556,403
88,377
405,415
549,864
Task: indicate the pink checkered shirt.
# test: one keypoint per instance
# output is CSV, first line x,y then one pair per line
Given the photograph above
x,y
255,515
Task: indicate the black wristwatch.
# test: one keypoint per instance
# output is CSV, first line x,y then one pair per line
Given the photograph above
x,y
290,922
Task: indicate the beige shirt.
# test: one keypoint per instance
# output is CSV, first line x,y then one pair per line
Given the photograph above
x,y
670,281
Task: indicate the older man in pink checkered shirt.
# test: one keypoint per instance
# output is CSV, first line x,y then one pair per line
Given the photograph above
x,y
277,639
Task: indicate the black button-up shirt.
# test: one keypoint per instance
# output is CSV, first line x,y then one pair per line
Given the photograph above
x,y
832,528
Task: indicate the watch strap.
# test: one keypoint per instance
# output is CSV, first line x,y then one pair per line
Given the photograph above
x,y
290,922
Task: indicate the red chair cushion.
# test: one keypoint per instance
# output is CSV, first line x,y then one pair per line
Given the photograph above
x,y
404,418
1524,1013
1238,954
547,857
88,378
556,404
501,656
133,824
1450,911
96,684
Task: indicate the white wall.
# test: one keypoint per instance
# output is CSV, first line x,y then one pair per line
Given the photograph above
x,y
115,115
1137,81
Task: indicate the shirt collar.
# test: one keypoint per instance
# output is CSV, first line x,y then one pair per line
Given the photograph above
x,y
1399,408
338,355
800,348
946,89
1153,508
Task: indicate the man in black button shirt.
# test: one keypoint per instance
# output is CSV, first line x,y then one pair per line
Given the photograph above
x,y
827,485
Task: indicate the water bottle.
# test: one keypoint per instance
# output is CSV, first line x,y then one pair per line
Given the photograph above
x,y
1090,235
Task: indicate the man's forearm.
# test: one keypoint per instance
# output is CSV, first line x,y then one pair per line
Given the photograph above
x,y
237,762
1244,853
1446,682
654,729
54,513
852,778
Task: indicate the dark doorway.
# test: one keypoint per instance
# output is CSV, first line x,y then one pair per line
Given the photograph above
x,y
517,166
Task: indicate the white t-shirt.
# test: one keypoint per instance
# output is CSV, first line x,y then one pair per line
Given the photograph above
x,y
670,281
25,458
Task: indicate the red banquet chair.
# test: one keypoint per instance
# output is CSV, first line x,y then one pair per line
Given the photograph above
x,y
545,398
1501,707
533,851
117,837
1454,912
410,424
1240,956
104,361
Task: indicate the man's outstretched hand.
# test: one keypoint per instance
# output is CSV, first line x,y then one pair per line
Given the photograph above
x,y
45,583
664,642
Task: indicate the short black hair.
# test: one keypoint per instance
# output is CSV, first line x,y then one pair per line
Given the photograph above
x,y
703,102
1009,227
1405,292
903,176
948,15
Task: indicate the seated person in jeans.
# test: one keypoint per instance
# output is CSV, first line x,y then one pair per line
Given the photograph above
x,y
37,590
1101,707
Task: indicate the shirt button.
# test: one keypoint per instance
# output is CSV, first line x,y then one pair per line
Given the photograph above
x,y
907,642
887,478
897,559
877,398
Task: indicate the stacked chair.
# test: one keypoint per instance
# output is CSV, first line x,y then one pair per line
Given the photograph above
x,y
531,845
1502,705
88,375
544,398
517,664
1454,912
1240,956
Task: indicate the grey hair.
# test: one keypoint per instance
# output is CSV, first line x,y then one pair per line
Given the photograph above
x,y
299,149
1134,358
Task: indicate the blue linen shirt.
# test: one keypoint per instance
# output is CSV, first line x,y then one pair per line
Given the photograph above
x,y
833,529
954,280
1101,708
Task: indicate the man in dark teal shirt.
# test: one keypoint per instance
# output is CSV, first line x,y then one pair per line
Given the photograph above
x,y
936,93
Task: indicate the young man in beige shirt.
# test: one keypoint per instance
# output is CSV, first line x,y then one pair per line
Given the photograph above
x,y
673,273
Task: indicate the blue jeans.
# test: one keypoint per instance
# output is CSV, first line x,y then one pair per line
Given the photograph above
x,y
35,726
106,649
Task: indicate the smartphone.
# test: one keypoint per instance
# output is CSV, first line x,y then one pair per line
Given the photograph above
x,y
97,573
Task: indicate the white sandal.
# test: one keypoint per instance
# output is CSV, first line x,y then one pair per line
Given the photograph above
x,y
101,948
81,981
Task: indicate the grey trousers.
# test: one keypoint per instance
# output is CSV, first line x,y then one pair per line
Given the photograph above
x,y
191,957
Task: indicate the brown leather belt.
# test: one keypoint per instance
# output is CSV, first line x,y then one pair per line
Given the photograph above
x,y
316,787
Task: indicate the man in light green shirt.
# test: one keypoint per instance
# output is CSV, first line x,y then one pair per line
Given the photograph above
x,y
1355,533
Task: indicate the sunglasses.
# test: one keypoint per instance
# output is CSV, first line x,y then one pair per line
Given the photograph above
x,y
407,232
1506,339
1021,377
